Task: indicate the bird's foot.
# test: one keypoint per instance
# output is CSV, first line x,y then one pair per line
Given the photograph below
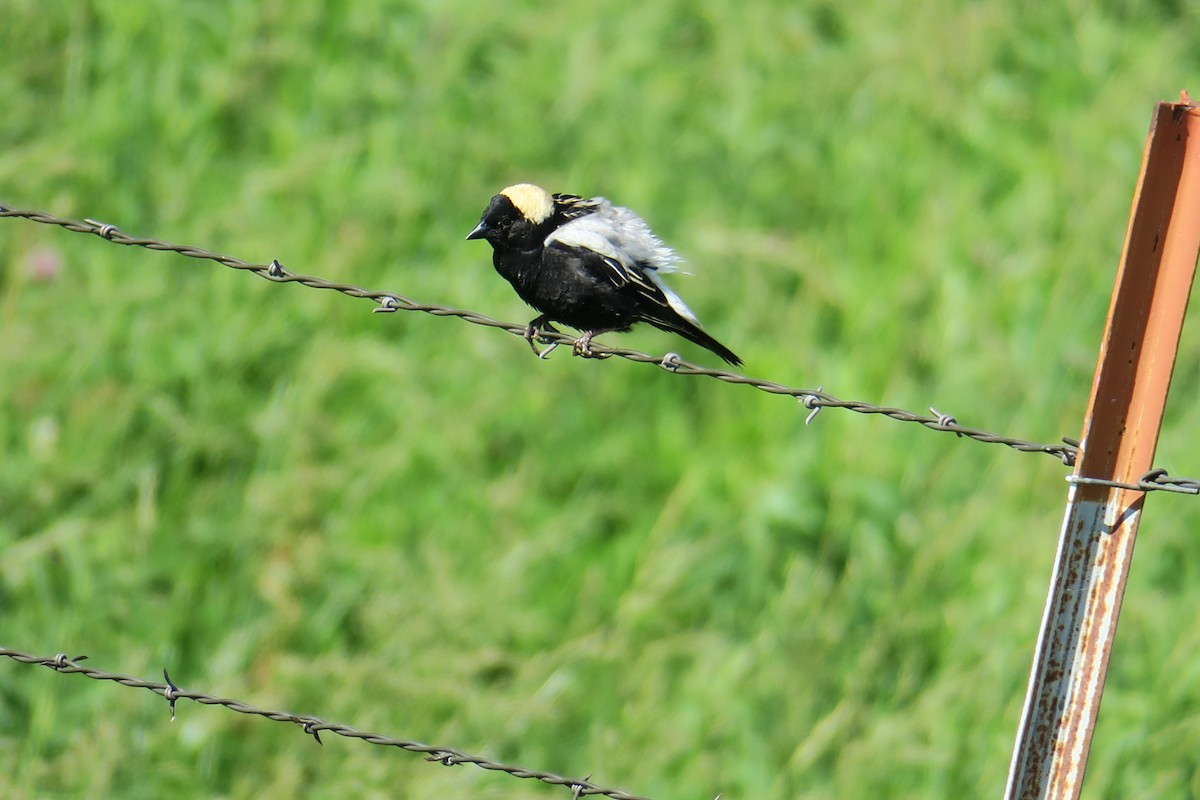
x,y
583,347
534,333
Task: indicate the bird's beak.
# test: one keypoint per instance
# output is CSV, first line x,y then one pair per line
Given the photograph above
x,y
481,230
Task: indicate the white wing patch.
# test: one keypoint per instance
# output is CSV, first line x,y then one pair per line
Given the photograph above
x,y
629,247
673,300
617,233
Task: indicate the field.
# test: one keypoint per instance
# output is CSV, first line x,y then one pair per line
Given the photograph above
x,y
408,524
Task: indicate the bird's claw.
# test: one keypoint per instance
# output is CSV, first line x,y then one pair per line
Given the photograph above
x,y
535,332
583,347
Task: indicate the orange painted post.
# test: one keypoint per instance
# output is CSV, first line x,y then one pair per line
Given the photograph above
x,y
1120,434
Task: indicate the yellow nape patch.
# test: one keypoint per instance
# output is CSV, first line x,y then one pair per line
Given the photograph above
x,y
534,202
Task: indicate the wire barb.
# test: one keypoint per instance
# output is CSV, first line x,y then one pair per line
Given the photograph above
x,y
946,421
102,229
60,661
312,725
171,693
387,305
577,788
813,403
309,726
1067,452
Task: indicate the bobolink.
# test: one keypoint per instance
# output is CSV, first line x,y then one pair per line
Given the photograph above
x,y
586,263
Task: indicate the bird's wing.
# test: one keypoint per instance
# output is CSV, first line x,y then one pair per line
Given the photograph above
x,y
611,231
571,206
630,254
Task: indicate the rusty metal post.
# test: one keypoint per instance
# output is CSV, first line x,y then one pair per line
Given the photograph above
x,y
1120,434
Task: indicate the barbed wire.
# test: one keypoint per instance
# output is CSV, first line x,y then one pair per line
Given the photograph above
x,y
314,726
1155,479
812,399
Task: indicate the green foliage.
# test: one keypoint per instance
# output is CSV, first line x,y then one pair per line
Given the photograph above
x,y
410,525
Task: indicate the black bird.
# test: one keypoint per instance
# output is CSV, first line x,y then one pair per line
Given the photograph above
x,y
588,264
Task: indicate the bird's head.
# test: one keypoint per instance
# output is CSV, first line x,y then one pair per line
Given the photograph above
x,y
520,216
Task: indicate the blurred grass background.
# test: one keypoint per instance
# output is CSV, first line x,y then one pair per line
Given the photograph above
x,y
410,525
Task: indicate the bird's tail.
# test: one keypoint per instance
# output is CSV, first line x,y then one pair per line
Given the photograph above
x,y
694,333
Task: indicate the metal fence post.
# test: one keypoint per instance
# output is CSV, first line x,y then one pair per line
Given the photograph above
x,y
1120,434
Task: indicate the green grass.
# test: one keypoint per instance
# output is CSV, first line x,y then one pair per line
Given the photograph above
x,y
410,525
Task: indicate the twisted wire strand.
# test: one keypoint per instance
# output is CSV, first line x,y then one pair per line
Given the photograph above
x,y
812,399
314,726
